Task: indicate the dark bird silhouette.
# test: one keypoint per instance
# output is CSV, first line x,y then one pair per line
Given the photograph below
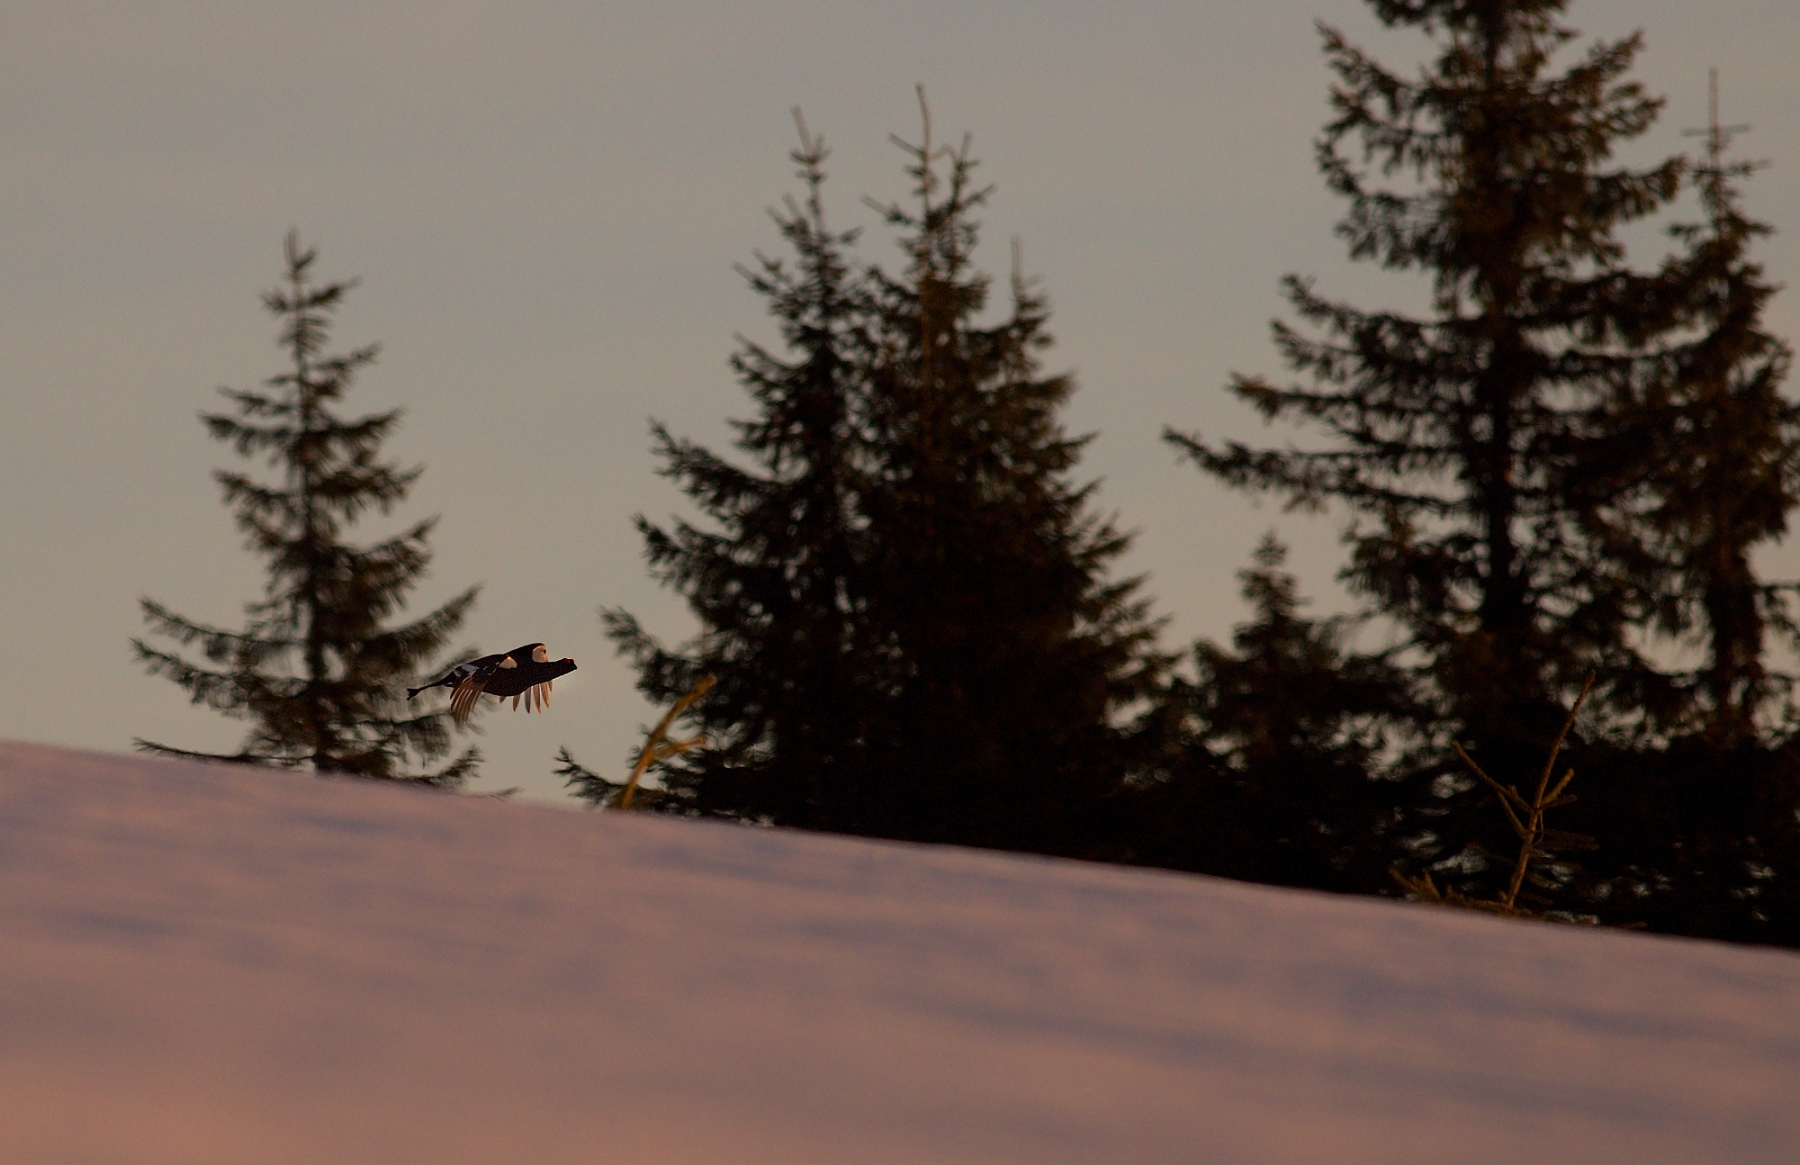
x,y
524,673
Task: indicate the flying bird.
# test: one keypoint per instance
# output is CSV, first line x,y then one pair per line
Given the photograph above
x,y
524,673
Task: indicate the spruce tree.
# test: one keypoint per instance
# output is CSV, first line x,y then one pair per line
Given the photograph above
x,y
1698,833
316,670
1726,443
1466,444
1280,781
1021,677
776,582
906,602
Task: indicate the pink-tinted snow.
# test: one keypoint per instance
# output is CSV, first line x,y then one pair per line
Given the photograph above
x,y
209,964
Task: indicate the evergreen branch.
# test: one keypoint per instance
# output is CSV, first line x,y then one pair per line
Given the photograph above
x,y
458,773
151,748
217,644
587,784
219,691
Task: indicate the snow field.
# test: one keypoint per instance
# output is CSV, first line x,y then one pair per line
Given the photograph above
x,y
206,964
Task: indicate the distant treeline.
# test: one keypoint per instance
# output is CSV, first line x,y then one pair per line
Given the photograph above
x,y
1563,470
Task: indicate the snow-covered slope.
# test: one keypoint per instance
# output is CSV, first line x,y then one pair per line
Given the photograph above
x,y
206,964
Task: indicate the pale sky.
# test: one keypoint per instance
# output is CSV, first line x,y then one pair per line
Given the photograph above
x,y
545,201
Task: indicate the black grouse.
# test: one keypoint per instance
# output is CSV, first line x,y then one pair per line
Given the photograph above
x,y
524,673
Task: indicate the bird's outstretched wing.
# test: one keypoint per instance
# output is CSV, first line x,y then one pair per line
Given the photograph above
x,y
462,700
463,697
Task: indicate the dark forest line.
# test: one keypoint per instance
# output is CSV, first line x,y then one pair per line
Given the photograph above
x,y
908,605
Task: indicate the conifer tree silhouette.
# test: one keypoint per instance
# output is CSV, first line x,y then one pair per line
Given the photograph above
x,y
1697,830
777,582
1472,447
1022,676
316,671
906,604
1727,448
1281,782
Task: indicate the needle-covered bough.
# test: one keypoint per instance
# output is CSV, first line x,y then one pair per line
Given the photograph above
x,y
524,673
